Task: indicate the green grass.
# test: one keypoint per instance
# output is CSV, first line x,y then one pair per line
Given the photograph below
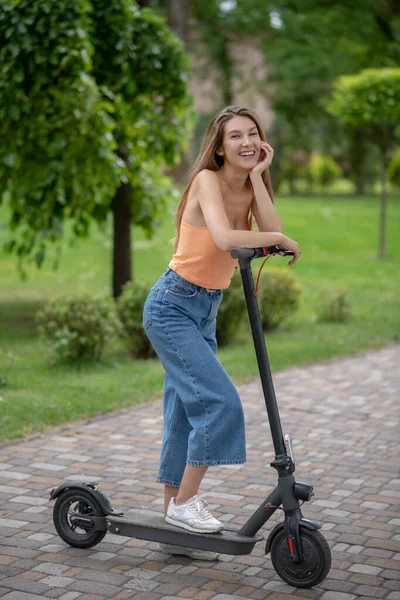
x,y
338,239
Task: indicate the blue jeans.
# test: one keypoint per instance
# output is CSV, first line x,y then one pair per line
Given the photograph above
x,y
203,413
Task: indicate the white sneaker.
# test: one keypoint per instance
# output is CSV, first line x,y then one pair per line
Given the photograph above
x,y
191,552
193,515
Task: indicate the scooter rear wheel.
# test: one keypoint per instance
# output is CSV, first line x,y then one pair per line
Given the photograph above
x,y
71,504
315,564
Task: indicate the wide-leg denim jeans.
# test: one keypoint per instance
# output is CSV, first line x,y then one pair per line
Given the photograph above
x,y
203,413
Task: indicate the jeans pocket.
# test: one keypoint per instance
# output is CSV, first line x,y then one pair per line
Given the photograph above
x,y
180,290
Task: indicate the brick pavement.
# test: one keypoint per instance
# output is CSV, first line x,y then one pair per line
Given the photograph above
x,y
343,416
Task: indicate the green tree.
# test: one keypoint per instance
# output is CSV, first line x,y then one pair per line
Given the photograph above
x,y
308,44
93,106
371,101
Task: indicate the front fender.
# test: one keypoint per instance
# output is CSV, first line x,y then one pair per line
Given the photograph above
x,y
306,523
92,488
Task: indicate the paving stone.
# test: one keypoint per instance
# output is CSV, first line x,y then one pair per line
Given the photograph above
x,y
368,590
356,498
142,585
279,596
54,593
57,581
51,568
103,577
22,585
147,596
102,589
21,596
337,596
367,569
14,523
228,597
392,585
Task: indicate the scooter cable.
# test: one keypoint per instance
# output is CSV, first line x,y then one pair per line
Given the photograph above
x,y
259,272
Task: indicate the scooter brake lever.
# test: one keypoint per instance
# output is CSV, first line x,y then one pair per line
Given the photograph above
x,y
289,447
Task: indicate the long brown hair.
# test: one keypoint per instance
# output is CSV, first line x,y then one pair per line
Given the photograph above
x,y
209,159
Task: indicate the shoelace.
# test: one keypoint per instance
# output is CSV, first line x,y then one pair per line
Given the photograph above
x,y
201,507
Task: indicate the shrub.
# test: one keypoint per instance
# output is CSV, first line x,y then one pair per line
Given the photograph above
x,y
130,310
323,170
231,311
334,306
394,169
278,297
293,168
77,327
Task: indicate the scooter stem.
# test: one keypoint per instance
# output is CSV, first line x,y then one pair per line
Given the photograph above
x,y
262,357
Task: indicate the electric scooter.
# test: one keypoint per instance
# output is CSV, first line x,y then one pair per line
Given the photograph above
x,y
300,554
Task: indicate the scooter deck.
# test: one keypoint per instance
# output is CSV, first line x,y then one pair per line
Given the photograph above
x,y
146,525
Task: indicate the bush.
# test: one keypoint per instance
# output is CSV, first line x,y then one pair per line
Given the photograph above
x,y
323,170
394,169
77,328
293,168
231,311
334,306
278,297
130,310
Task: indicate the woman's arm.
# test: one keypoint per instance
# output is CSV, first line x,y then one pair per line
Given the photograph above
x,y
263,209
207,192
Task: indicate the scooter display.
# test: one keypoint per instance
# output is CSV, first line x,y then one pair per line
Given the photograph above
x,y
300,554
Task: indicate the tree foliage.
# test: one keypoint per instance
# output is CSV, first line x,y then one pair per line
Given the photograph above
x,y
371,101
93,94
307,45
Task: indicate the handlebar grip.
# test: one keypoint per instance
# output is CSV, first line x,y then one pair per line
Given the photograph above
x,y
246,252
278,250
252,253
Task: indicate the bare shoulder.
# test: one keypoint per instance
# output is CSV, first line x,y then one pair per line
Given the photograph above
x,y
206,177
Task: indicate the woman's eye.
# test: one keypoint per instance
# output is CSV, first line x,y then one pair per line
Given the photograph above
x,y
255,133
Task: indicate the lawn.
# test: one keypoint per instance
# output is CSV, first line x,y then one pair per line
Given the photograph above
x,y
338,239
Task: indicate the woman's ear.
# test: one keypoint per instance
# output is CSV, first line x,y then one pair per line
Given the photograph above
x,y
220,152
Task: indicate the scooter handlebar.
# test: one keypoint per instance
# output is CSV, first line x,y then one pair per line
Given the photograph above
x,y
251,253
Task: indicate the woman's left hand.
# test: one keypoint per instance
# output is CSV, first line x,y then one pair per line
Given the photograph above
x,y
265,159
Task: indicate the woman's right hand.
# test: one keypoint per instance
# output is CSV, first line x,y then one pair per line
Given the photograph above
x,y
288,244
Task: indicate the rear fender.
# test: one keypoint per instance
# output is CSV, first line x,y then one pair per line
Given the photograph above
x,y
91,488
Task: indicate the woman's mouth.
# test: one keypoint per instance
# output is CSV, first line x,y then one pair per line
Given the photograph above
x,y
247,154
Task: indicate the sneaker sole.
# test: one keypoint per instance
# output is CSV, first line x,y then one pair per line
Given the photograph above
x,y
190,528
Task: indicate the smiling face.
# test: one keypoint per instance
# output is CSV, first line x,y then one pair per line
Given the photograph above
x,y
241,143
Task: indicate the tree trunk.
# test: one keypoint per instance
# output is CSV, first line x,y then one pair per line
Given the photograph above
x,y
227,73
122,263
357,159
382,226
177,18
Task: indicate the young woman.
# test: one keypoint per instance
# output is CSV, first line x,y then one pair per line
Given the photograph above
x,y
203,414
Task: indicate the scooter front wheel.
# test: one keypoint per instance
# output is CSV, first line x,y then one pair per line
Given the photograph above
x,y
71,510
315,564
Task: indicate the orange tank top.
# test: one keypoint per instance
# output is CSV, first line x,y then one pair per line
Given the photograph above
x,y
199,260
